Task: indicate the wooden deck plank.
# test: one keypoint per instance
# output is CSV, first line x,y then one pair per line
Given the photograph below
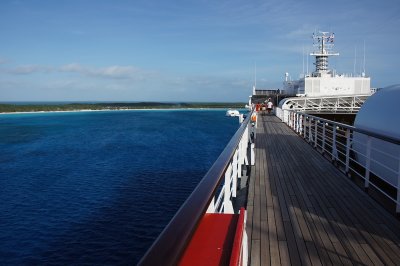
x,y
249,208
371,230
320,234
265,253
352,235
291,243
377,248
333,256
255,253
283,225
297,219
303,211
283,250
273,239
284,200
380,247
255,249
323,232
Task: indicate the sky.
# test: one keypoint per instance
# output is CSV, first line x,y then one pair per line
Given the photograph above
x,y
98,50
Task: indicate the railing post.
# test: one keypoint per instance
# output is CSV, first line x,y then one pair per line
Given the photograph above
x,y
228,207
398,189
235,173
301,124
367,162
309,129
316,133
246,145
252,154
348,143
293,121
298,123
241,155
323,137
211,207
293,117
285,118
334,150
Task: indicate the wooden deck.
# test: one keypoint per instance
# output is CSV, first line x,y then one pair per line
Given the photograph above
x,y
303,211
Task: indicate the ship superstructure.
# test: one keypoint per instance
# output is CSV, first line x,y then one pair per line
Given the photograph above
x,y
324,81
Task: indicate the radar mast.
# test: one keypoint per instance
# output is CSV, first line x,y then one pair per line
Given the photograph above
x,y
323,42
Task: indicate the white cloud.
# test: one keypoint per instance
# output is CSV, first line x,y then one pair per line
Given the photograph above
x,y
28,69
71,68
113,72
110,72
3,61
117,72
302,33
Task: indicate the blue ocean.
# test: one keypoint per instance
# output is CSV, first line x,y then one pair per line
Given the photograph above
x,y
96,188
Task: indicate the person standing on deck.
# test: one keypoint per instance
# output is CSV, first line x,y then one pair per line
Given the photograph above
x,y
270,105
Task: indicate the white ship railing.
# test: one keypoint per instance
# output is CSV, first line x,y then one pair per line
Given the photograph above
x,y
327,104
222,201
214,194
373,157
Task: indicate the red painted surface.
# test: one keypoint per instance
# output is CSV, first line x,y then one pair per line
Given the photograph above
x,y
237,244
212,242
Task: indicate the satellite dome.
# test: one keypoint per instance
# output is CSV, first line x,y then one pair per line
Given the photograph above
x,y
381,112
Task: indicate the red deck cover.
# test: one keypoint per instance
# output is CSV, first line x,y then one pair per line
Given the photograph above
x,y
212,242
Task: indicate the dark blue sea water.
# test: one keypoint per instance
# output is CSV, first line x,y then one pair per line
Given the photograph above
x,y
97,188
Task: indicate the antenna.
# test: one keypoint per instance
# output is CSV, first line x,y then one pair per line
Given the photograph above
x,y
303,61
307,60
363,74
255,74
355,60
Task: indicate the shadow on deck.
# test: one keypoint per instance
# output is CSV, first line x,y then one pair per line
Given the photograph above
x,y
303,211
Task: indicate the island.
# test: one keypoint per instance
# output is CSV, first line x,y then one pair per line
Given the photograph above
x,y
63,107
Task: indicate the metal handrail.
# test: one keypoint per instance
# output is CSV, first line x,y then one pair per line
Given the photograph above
x,y
363,131
359,130
171,243
341,146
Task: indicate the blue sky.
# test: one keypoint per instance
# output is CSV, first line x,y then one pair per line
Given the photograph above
x,y
97,50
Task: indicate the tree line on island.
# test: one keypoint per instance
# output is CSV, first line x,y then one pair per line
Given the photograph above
x,y
49,107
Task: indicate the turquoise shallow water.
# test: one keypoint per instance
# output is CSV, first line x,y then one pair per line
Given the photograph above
x,y
97,188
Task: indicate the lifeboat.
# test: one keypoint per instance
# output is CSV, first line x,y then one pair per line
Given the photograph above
x,y
231,112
